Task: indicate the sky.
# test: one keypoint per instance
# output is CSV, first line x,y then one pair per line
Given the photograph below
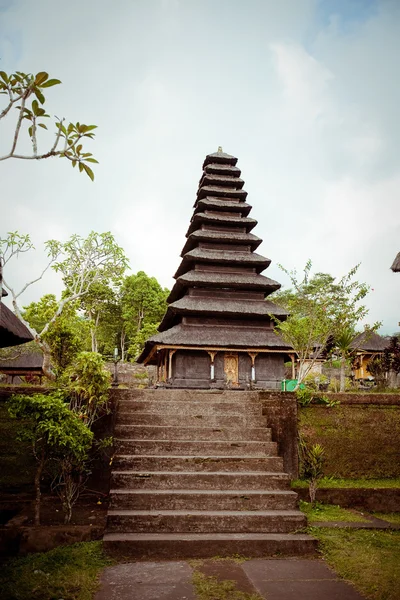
x,y
305,93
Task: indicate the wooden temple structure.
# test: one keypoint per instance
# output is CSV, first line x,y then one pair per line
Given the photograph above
x,y
218,331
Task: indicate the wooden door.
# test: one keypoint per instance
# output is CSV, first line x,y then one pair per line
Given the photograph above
x,y
231,368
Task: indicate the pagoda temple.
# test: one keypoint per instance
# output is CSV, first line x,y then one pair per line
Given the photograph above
x,y
218,331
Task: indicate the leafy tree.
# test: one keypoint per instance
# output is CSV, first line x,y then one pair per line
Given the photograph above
x,y
386,365
97,303
143,303
82,263
321,311
66,336
19,88
55,432
87,386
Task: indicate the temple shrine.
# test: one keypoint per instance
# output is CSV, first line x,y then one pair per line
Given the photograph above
x,y
218,331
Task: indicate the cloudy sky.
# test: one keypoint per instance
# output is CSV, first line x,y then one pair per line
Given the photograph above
x,y
305,93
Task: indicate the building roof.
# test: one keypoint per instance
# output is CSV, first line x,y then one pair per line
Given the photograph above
x,y
194,305
211,203
228,257
12,330
223,337
250,281
221,219
396,264
22,357
218,279
370,342
226,237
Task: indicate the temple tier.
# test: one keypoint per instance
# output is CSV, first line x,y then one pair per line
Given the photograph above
x,y
218,331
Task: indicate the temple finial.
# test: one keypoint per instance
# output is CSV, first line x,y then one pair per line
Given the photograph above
x,y
220,149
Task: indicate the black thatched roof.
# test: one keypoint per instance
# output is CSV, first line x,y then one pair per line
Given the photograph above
x,y
222,169
212,306
222,204
12,330
224,337
396,264
225,181
370,342
219,157
221,192
221,257
210,279
227,237
218,278
22,357
221,219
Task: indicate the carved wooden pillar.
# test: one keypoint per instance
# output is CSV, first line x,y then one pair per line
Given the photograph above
x,y
253,365
212,366
170,355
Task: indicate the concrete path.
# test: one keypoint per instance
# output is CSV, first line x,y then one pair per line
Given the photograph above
x,y
281,579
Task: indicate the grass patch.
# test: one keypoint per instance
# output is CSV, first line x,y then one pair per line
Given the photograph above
x,y
211,588
329,512
67,572
332,482
389,517
369,559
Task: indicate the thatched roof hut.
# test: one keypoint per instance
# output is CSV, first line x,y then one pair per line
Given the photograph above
x,y
396,264
12,330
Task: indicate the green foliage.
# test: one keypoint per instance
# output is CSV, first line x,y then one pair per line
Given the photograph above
x,y
369,559
67,335
143,303
320,309
56,434
67,572
329,512
312,464
87,386
20,87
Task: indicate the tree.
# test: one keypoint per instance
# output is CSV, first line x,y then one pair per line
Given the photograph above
x,y
387,365
19,88
55,432
66,336
96,304
143,303
321,311
82,263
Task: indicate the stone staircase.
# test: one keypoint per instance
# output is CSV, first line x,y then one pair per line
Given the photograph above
x,y
197,475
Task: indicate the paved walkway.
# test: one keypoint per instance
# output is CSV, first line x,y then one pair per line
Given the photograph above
x,y
281,579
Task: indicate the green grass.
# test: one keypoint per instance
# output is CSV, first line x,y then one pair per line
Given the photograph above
x,y
211,588
369,559
332,482
67,573
329,512
389,517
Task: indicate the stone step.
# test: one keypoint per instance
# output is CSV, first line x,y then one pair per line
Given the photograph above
x,y
187,396
196,420
193,408
192,448
197,463
153,499
160,432
199,481
220,521
173,546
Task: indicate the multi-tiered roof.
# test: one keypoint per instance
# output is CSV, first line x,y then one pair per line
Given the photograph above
x,y
218,299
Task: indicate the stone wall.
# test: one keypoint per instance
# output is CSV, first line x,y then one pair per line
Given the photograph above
x,y
361,436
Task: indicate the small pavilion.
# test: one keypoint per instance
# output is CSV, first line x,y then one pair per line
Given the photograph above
x,y
218,330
